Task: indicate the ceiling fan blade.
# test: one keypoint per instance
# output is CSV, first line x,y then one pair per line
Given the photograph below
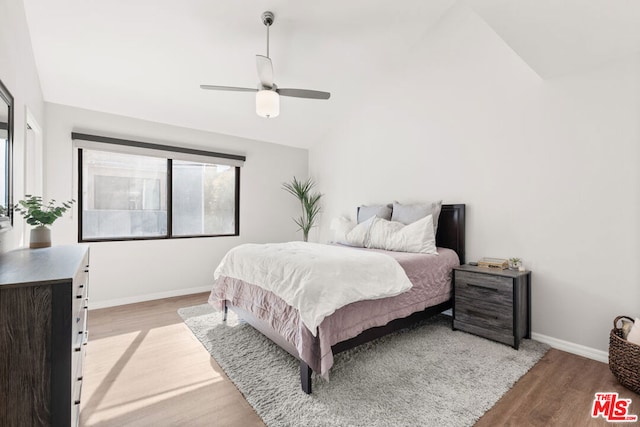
x,y
303,93
235,89
265,70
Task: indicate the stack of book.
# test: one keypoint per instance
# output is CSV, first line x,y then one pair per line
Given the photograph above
x,y
497,263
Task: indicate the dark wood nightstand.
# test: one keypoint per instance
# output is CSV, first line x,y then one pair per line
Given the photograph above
x,y
494,304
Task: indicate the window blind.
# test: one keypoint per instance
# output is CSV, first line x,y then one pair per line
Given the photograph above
x,y
125,146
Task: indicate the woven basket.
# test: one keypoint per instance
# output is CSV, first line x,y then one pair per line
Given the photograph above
x,y
624,358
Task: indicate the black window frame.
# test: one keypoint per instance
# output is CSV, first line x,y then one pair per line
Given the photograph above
x,y
166,148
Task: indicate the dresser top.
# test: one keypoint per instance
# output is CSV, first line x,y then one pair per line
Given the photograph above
x,y
32,266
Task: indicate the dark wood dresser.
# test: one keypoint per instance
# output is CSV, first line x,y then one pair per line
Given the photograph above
x,y
43,329
494,304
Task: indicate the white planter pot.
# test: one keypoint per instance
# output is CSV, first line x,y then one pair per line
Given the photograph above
x,y
40,237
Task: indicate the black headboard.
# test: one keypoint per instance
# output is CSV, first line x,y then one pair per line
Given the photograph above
x,y
451,229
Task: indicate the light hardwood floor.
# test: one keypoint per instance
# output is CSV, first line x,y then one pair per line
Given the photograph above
x,y
145,368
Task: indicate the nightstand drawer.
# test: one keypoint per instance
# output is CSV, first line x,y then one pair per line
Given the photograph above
x,y
500,335
479,285
484,312
482,293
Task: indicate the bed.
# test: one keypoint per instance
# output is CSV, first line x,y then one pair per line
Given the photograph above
x,y
358,322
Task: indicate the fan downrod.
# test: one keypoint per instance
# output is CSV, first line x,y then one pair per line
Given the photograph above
x,y
267,18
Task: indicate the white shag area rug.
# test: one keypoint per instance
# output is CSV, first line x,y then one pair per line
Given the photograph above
x,y
428,375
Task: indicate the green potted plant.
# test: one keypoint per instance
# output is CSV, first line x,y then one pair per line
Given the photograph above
x,y
309,202
40,215
515,263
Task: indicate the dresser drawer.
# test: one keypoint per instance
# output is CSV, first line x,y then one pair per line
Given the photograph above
x,y
80,324
80,297
75,416
78,317
82,275
77,392
77,364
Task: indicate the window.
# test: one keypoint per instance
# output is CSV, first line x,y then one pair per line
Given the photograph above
x,y
203,199
123,195
131,190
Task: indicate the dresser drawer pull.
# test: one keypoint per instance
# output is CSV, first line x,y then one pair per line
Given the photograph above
x,y
487,287
77,392
85,339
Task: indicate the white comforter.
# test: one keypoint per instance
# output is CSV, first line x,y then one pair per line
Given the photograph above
x,y
315,279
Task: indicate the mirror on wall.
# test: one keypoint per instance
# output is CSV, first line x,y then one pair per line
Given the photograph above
x,y
6,139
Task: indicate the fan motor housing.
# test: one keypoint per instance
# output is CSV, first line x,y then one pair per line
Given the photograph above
x,y
267,18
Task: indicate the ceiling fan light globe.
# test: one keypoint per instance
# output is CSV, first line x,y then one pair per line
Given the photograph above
x,y
267,103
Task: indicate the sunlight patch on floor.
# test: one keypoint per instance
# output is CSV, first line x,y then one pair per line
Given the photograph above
x,y
126,379
153,399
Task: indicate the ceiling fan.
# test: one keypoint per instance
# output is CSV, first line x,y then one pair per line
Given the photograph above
x,y
267,93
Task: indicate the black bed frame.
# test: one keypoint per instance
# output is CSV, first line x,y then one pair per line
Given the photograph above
x,y
451,234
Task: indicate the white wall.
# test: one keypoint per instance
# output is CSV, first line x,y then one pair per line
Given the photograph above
x,y
548,169
131,271
18,73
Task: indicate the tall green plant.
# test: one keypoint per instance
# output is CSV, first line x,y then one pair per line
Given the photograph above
x,y
38,213
309,202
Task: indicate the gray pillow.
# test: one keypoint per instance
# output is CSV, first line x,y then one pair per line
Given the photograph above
x,y
407,214
381,211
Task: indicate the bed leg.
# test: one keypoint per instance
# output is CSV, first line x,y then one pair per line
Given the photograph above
x,y
305,377
224,317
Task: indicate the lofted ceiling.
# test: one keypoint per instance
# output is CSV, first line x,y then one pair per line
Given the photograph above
x,y
146,59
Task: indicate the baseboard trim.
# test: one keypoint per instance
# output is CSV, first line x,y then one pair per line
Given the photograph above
x,y
580,350
147,297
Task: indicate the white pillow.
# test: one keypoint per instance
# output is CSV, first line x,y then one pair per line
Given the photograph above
x,y
416,237
634,333
341,227
359,235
